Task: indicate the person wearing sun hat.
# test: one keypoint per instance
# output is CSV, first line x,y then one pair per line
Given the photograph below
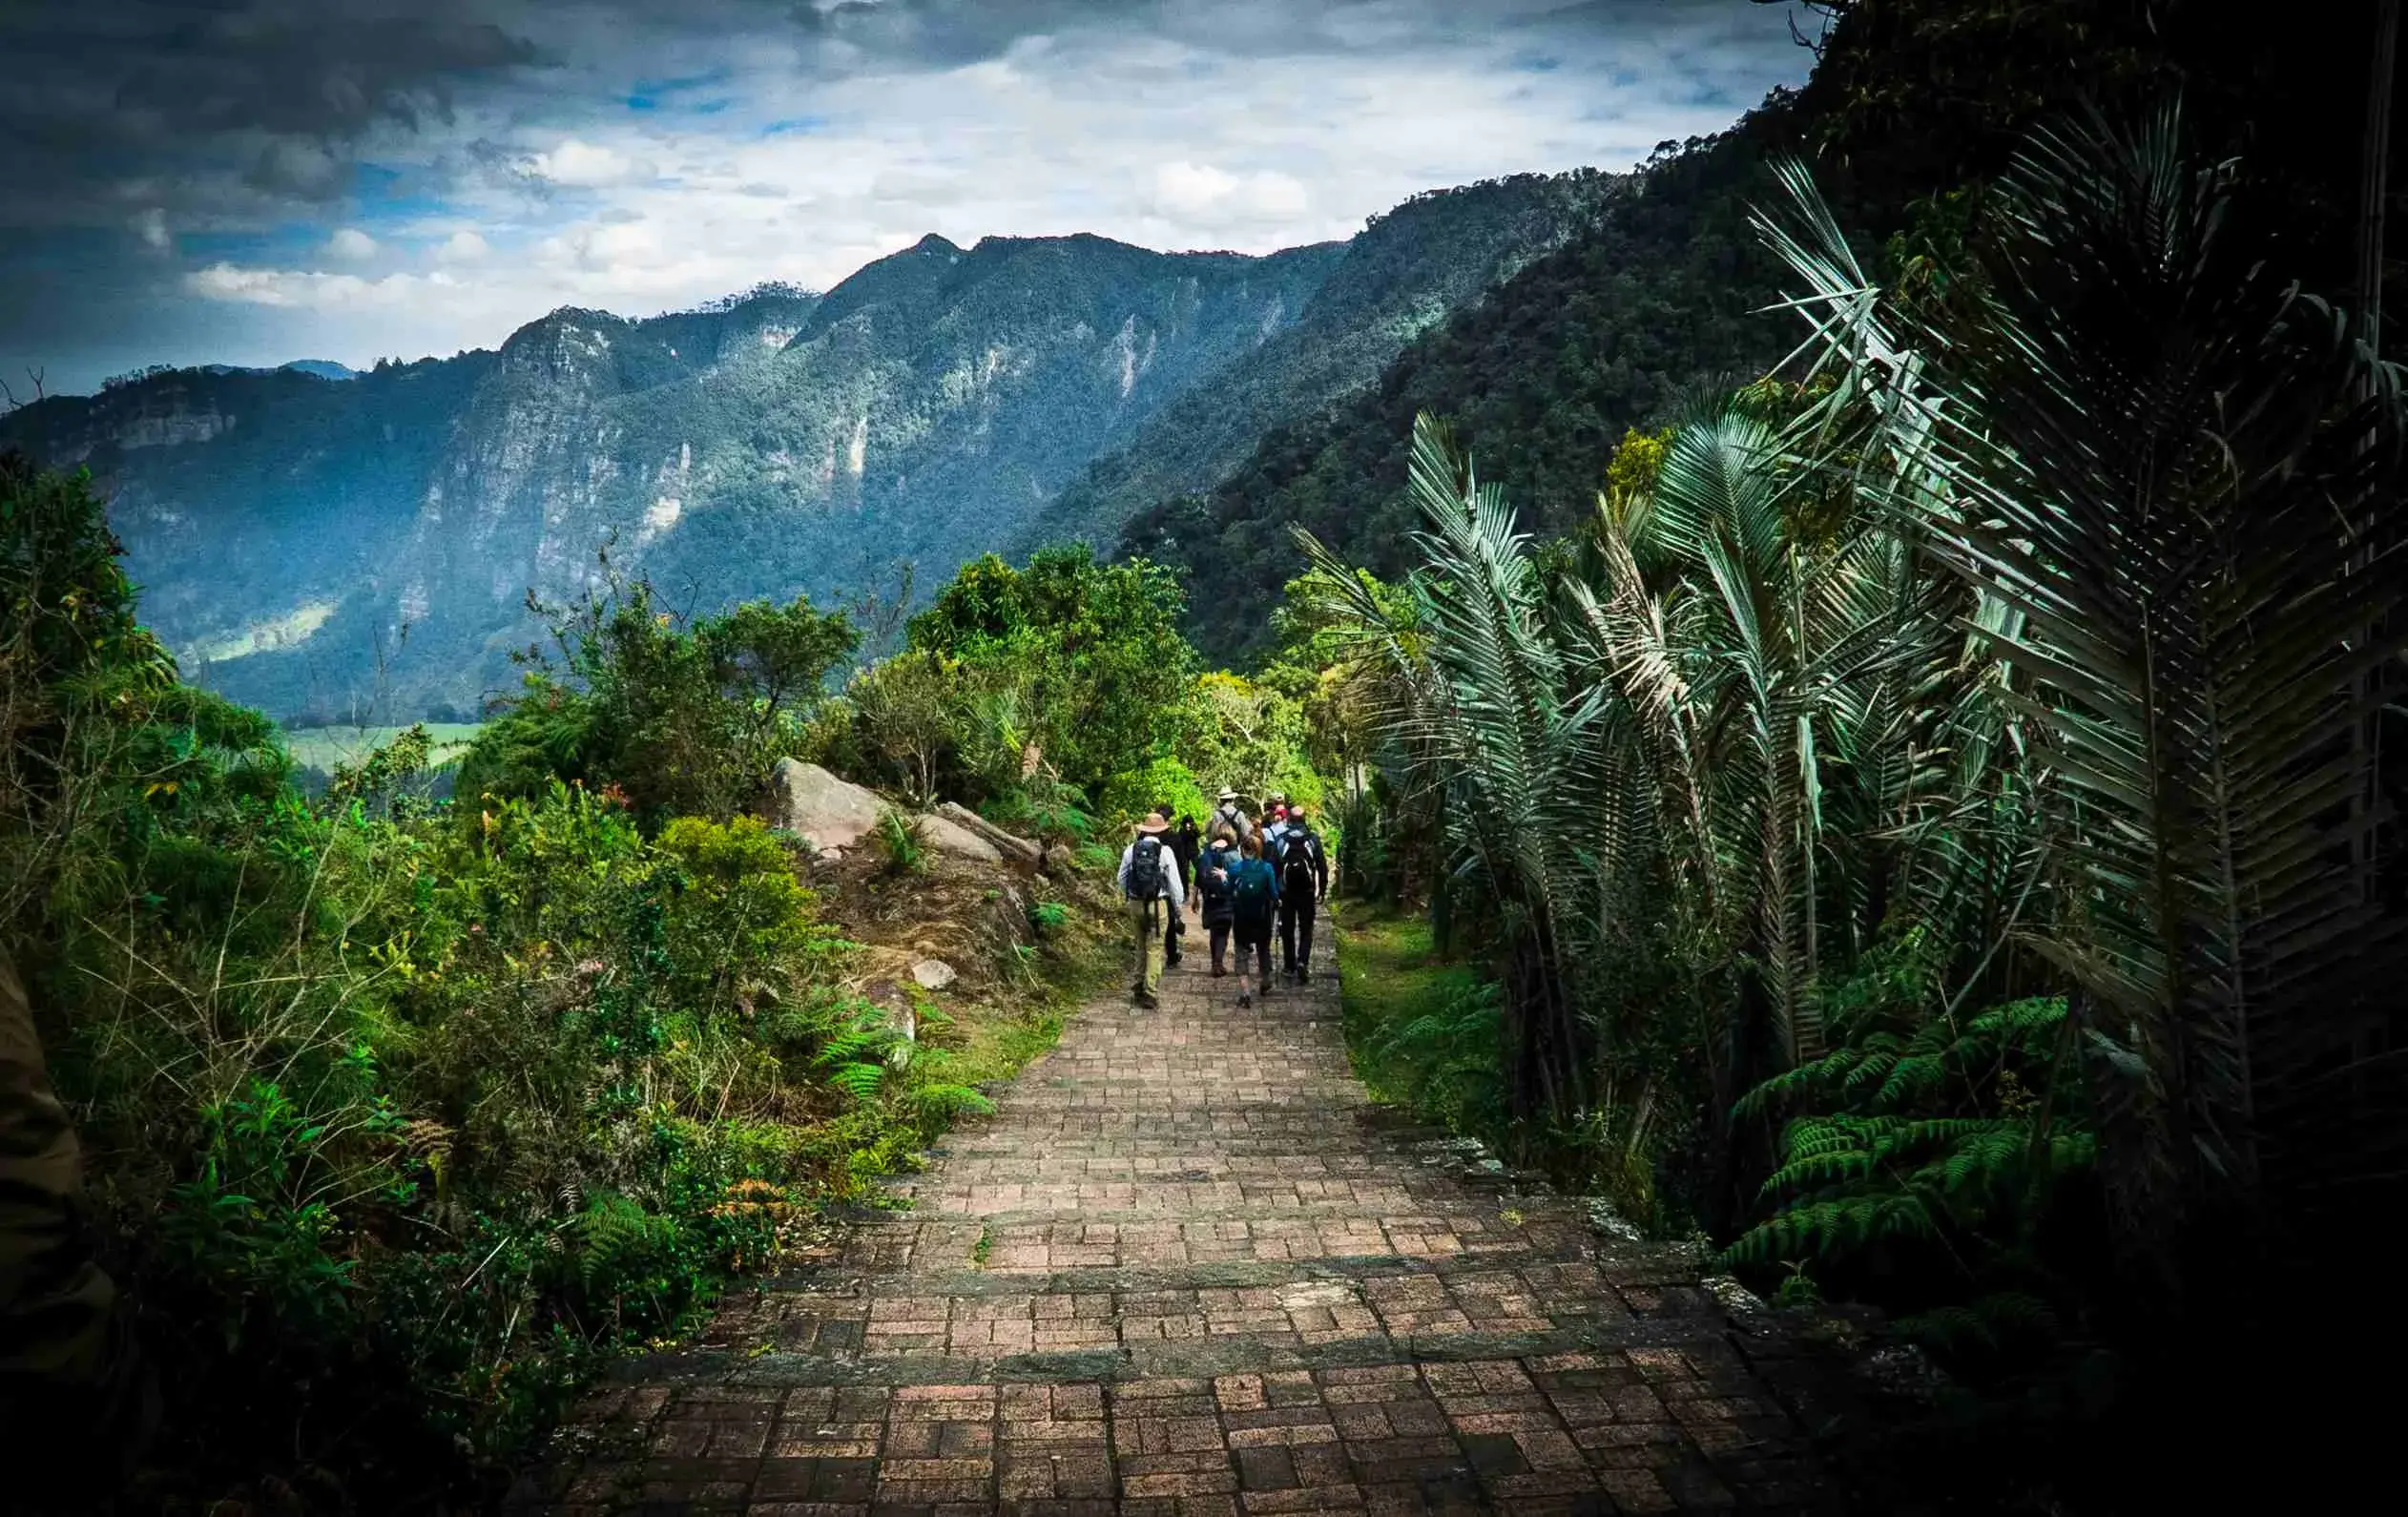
x,y
1227,815
1149,885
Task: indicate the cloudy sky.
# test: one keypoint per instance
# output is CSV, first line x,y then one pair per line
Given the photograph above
x,y
252,181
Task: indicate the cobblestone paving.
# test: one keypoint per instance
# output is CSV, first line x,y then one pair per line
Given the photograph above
x,y
1189,1268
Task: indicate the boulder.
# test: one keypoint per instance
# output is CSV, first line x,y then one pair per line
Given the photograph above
x,y
951,837
809,801
933,974
1018,848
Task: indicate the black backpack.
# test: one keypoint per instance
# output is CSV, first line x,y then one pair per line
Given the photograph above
x,y
1144,870
1299,856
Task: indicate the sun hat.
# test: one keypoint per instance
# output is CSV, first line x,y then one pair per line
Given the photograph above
x,y
1156,822
1227,795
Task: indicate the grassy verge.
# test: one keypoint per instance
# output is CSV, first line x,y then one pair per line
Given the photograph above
x,y
1421,1030
1424,1033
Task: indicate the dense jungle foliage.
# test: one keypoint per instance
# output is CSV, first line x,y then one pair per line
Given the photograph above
x,y
1927,830
399,1113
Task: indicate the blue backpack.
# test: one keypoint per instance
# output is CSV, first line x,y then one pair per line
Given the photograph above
x,y
1251,890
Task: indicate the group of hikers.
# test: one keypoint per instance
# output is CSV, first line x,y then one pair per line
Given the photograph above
x,y
1238,880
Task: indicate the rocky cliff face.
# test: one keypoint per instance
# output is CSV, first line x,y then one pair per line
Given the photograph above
x,y
322,546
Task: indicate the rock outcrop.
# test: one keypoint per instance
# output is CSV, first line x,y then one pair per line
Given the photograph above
x,y
951,837
1019,849
836,815
809,801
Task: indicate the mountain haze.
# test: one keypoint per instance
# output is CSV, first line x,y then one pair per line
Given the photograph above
x,y
321,545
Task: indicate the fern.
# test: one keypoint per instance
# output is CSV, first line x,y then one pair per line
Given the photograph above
x,y
1989,1323
860,1081
941,1101
620,1243
1922,1132
858,1054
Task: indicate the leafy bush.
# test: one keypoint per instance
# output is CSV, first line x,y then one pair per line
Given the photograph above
x,y
1092,652
1166,785
685,719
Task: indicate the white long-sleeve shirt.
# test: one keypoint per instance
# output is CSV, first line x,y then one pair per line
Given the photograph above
x,y
1173,890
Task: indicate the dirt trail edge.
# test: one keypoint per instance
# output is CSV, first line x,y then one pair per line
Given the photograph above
x,y
1187,1267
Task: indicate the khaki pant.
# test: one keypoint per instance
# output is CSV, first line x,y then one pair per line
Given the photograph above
x,y
1147,919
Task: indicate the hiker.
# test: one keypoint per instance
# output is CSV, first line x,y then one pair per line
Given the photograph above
x,y
72,1383
1184,844
1303,880
1212,893
1188,842
1227,815
1149,885
1275,812
1254,892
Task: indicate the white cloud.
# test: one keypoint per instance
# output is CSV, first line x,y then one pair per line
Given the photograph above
x,y
352,244
1237,124
308,288
1193,192
586,166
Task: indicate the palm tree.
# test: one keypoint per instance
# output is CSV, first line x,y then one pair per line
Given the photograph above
x,y
2152,463
1490,720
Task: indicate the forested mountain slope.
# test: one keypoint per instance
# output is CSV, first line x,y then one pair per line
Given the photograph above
x,y
320,547
1542,380
1402,275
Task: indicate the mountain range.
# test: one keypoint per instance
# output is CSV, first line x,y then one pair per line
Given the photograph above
x,y
330,545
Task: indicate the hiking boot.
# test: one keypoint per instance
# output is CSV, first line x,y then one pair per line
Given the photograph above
x,y
1245,998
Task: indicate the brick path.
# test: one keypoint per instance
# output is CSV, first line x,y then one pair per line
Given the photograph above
x,y
1189,1268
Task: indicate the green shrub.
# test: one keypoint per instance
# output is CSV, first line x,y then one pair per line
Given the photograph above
x,y
1165,785
684,717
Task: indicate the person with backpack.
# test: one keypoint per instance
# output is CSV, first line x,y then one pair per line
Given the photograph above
x,y
1254,900
1274,822
1188,842
1184,845
1303,879
1212,893
1227,815
1150,885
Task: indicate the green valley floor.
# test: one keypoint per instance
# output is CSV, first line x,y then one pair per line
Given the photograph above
x,y
1189,1267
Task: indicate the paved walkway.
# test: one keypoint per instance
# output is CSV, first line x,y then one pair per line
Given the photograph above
x,y
1188,1268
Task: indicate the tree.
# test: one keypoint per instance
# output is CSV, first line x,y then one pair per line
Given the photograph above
x,y
1095,648
910,709
688,719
